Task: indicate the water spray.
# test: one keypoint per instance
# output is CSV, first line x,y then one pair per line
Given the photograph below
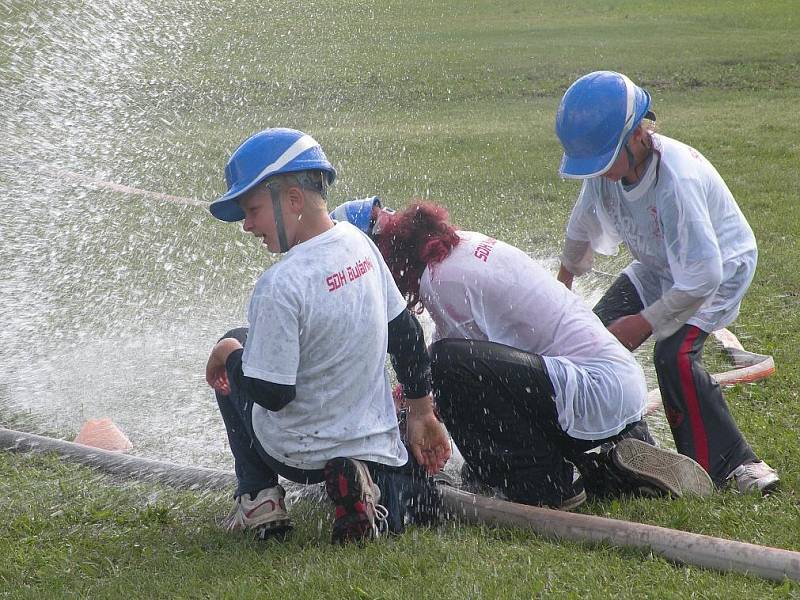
x,y
125,189
679,546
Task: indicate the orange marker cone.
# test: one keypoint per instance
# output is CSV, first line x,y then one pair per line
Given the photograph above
x,y
103,434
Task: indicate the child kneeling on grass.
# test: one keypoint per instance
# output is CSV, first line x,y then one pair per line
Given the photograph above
x,y
530,383
303,391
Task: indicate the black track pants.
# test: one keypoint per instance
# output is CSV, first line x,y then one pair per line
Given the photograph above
x,y
698,415
497,403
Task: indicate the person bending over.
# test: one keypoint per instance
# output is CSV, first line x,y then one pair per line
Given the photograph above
x,y
526,377
694,258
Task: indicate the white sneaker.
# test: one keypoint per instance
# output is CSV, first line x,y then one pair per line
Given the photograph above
x,y
668,471
756,476
265,514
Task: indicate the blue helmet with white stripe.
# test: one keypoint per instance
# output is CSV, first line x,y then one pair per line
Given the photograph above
x,y
597,115
358,213
263,155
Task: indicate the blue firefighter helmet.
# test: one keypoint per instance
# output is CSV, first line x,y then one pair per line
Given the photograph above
x,y
597,115
262,155
357,212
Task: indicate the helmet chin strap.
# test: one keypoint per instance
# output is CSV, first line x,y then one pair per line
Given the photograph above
x,y
631,157
275,193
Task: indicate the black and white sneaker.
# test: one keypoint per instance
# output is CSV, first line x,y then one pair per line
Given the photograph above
x,y
756,476
665,470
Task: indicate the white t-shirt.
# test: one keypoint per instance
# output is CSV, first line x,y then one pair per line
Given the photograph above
x,y
488,290
683,227
318,321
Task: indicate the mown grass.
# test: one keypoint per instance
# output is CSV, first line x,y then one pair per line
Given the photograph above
x,y
71,533
453,101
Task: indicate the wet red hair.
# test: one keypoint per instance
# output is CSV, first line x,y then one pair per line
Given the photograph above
x,y
412,239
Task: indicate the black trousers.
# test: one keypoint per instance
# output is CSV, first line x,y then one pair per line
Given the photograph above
x,y
698,415
497,403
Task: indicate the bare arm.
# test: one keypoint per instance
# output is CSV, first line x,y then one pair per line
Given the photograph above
x,y
216,375
565,276
631,330
427,436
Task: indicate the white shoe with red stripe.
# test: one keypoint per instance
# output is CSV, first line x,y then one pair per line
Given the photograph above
x,y
265,514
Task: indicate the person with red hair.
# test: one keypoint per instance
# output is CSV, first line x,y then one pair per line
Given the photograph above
x,y
526,377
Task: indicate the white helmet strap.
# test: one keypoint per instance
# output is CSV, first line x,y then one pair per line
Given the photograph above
x,y
301,145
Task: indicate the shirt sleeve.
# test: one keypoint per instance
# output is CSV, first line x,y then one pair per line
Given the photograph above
x,y
577,257
272,352
272,396
409,355
395,303
670,312
589,222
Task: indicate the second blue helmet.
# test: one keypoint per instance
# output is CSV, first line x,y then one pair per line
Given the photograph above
x,y
595,118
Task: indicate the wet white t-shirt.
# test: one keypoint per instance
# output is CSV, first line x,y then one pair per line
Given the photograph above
x,y
489,290
683,227
318,321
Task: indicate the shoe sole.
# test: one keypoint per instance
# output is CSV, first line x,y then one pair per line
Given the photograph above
x,y
574,502
345,484
274,530
669,471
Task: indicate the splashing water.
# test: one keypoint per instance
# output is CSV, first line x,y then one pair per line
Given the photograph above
x,y
109,307
111,301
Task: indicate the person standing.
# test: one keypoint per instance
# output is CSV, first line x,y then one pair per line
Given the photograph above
x,y
694,258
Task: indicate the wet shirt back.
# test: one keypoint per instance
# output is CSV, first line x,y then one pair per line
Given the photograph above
x,y
489,290
318,321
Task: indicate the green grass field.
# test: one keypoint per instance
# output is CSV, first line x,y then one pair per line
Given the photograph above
x,y
453,101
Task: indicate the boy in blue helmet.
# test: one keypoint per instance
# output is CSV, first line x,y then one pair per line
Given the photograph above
x,y
694,258
303,392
